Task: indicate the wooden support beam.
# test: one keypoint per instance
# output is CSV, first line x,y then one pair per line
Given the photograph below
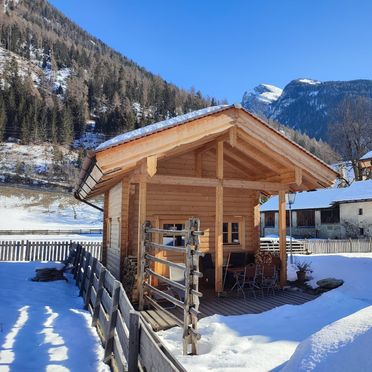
x,y
282,239
298,176
233,136
105,228
151,165
210,182
142,194
219,220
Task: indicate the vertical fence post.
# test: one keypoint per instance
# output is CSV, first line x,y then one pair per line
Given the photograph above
x,y
110,332
133,346
97,304
85,273
90,284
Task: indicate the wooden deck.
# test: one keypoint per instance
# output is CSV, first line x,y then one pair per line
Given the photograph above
x,y
231,305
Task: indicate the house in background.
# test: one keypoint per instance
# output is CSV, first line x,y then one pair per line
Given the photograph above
x,y
365,165
333,213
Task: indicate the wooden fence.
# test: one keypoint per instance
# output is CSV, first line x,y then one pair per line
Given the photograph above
x,y
298,246
338,246
182,293
47,250
129,342
319,246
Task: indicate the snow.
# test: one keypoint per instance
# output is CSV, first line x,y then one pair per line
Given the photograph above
x,y
324,198
368,155
43,324
268,93
267,341
309,81
340,346
156,127
30,209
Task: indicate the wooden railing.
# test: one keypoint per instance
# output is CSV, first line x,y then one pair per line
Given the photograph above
x,y
318,246
129,342
149,295
47,250
298,247
338,246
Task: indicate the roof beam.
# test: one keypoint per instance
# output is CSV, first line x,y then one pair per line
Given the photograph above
x,y
210,182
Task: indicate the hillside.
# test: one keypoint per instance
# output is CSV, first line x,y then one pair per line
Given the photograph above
x,y
56,77
307,105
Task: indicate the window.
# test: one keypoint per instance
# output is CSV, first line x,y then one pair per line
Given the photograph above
x,y
330,215
231,232
306,218
361,231
171,239
360,211
269,219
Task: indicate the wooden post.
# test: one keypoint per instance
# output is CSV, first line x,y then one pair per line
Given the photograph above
x,y
110,332
219,220
85,273
133,344
90,283
282,239
105,228
97,304
142,191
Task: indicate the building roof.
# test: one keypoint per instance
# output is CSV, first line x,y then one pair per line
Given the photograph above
x,y
275,157
325,198
367,156
161,125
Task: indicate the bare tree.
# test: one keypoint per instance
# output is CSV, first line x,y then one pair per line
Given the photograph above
x,y
351,133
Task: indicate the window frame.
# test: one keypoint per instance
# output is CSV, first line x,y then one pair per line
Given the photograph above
x,y
229,220
300,217
272,218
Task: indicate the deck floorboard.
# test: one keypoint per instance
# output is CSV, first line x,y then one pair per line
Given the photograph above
x,y
232,304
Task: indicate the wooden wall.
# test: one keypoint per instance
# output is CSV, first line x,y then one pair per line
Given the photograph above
x,y
114,230
166,204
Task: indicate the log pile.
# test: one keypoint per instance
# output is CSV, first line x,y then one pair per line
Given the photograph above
x,y
48,275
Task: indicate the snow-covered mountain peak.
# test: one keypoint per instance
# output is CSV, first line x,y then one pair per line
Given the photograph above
x,y
261,97
308,81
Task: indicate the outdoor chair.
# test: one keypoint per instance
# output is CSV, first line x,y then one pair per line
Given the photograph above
x,y
269,279
250,279
235,261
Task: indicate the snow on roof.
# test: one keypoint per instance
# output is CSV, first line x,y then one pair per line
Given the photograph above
x,y
161,125
368,155
325,198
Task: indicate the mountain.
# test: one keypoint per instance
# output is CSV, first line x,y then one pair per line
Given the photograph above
x,y
305,104
259,101
55,77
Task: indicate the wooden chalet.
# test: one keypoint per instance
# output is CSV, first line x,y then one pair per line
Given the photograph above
x,y
212,164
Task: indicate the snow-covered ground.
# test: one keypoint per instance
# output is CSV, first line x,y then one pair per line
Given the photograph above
x,y
330,333
43,326
34,209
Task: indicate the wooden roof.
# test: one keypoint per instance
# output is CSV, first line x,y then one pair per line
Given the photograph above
x,y
268,158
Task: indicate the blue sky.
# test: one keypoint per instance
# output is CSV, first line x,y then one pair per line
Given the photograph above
x,y
224,47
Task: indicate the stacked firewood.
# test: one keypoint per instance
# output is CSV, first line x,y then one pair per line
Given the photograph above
x,y
48,275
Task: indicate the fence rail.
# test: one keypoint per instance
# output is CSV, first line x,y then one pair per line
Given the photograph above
x,y
298,247
338,246
321,246
47,250
129,342
51,232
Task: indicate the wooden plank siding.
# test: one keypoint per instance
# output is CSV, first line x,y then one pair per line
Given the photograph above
x,y
114,230
171,203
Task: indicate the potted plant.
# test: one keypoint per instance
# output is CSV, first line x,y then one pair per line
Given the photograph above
x,y
302,269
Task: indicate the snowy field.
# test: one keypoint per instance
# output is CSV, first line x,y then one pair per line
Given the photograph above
x,y
43,326
331,333
27,209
